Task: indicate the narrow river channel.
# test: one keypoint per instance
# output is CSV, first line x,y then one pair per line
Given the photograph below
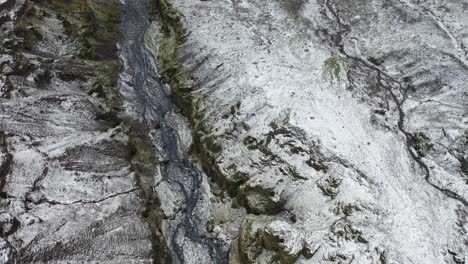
x,y
184,233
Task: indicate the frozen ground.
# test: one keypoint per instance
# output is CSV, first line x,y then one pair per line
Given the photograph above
x,y
238,131
68,189
340,125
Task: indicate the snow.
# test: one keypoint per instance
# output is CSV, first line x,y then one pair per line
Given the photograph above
x,y
273,63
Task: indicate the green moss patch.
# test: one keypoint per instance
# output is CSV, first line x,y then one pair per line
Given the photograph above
x,y
333,68
25,29
94,23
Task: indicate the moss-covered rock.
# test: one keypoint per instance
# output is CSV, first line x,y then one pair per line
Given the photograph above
x,y
7,89
43,77
144,161
286,241
21,65
259,199
266,239
95,24
234,256
24,27
330,186
250,240
421,143
343,230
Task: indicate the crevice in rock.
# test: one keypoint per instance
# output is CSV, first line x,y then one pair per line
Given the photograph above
x,y
441,103
54,202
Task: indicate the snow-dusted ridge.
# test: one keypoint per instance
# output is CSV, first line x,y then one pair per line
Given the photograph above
x,y
345,120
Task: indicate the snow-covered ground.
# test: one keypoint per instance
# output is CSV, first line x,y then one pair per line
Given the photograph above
x,y
325,131
344,120
68,192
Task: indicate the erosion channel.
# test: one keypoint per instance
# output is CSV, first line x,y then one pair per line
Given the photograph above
x,y
153,102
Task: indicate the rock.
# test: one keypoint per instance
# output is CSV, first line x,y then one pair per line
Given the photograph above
x,y
254,89
250,240
261,200
8,224
7,70
264,238
68,188
284,239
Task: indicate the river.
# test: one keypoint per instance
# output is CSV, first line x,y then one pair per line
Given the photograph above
x,y
187,240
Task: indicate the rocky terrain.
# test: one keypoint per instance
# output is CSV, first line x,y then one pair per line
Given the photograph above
x,y
240,131
68,188
333,131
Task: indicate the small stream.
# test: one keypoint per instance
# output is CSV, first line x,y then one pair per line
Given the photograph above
x,y
187,240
